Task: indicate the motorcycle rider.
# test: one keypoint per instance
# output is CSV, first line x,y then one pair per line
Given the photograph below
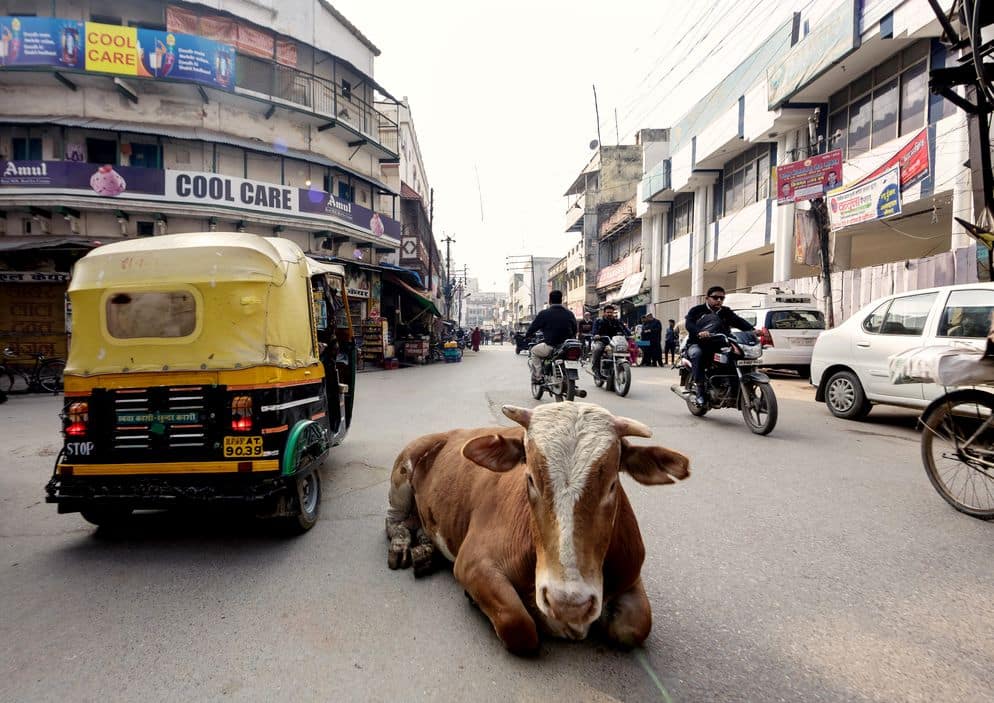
x,y
584,328
607,325
702,321
557,324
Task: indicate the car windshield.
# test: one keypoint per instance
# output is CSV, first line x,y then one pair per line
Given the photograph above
x,y
797,320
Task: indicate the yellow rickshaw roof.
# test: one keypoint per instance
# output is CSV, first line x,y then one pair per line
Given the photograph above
x,y
214,256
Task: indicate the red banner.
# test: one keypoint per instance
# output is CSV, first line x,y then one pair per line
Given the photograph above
x,y
255,42
181,20
219,29
286,53
913,160
809,178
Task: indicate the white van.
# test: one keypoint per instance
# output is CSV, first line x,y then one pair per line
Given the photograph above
x,y
788,325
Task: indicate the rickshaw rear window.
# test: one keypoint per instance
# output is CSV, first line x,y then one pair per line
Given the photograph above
x,y
137,314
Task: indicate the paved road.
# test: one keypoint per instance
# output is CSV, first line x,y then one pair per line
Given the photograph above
x,y
816,564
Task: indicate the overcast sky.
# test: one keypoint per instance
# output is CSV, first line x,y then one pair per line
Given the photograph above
x,y
501,97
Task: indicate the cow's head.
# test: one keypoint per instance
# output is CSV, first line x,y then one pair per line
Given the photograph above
x,y
573,453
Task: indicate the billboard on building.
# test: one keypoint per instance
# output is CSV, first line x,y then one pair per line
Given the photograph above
x,y
809,178
913,160
108,48
313,200
103,180
873,199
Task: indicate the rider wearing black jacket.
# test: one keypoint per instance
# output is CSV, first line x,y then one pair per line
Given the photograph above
x,y
710,317
605,326
557,324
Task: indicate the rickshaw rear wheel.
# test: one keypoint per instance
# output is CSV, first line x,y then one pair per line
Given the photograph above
x,y
308,489
109,517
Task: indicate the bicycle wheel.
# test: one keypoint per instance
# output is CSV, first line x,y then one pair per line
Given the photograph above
x,y
6,380
958,451
50,375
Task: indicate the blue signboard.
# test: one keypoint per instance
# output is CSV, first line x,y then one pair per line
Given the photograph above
x,y
41,41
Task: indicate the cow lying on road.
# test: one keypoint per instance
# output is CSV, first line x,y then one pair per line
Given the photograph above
x,y
535,519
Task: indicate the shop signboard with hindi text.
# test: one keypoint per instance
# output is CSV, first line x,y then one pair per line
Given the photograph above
x,y
874,199
809,178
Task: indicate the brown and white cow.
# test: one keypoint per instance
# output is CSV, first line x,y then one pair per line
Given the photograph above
x,y
536,520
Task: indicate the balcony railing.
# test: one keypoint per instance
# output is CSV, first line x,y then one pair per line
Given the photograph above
x,y
574,214
319,96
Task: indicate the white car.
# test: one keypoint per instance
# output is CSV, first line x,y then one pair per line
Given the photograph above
x,y
787,323
849,366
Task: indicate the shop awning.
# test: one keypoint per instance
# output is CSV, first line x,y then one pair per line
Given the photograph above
x,y
419,296
630,287
30,243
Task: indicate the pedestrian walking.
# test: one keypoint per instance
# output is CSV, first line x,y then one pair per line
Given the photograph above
x,y
672,336
475,339
652,332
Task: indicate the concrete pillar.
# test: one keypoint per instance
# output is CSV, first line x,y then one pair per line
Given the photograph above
x,y
962,186
699,246
742,276
654,234
783,220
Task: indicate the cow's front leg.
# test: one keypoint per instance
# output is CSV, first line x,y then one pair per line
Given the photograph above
x,y
496,597
627,618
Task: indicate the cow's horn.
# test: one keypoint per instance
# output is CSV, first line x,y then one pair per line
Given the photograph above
x,y
522,416
628,427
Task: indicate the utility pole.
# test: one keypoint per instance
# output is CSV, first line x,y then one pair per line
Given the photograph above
x,y
975,76
820,212
447,286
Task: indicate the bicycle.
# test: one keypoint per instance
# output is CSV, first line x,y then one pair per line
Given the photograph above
x,y
958,450
44,376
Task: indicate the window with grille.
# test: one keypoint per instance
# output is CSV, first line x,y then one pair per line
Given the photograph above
x,y
882,104
683,214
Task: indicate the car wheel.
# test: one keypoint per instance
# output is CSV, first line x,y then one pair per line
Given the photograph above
x,y
845,397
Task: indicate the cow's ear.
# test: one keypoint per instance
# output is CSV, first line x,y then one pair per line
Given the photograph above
x,y
653,466
495,452
522,416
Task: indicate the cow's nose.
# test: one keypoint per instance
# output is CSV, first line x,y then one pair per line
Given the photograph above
x,y
571,605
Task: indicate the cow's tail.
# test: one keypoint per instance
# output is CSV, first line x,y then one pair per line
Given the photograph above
x,y
403,524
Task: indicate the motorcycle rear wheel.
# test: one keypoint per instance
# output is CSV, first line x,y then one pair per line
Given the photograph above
x,y
537,390
622,378
759,407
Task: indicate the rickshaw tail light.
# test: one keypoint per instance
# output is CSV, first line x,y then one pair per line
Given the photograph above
x,y
78,415
241,413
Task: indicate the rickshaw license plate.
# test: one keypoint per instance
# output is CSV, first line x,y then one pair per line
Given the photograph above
x,y
242,446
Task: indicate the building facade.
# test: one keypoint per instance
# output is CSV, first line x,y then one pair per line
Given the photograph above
x,y
143,117
851,85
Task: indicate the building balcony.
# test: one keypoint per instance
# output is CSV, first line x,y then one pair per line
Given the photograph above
x,y
574,214
349,118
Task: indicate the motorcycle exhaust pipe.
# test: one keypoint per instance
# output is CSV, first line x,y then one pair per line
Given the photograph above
x,y
679,390
580,393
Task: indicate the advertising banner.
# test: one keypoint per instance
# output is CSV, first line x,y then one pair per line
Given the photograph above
x,y
208,189
809,178
230,191
41,41
108,48
912,159
873,199
106,180
319,202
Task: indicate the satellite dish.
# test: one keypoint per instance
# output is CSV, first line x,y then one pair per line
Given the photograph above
x,y
594,144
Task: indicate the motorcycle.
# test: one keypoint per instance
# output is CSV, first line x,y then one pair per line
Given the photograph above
x,y
615,366
560,372
730,381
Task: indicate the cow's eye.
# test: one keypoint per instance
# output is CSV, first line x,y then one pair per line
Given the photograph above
x,y
531,483
613,487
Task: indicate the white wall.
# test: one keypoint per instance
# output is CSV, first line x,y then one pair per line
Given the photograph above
x,y
679,254
742,231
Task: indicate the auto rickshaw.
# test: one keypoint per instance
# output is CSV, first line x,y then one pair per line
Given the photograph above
x,y
204,368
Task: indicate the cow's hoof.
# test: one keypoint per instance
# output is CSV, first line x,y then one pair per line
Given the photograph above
x,y
422,559
397,529
399,555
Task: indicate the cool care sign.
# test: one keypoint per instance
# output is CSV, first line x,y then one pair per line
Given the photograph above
x,y
230,191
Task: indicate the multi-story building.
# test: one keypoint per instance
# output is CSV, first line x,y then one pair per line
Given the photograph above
x,y
418,249
529,291
603,208
856,81
143,117
483,309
